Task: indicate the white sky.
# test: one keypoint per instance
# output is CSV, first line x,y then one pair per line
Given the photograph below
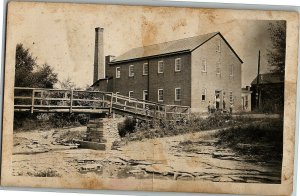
x,y
63,35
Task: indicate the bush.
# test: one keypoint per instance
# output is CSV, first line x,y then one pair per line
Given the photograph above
x,y
45,173
127,127
163,128
28,121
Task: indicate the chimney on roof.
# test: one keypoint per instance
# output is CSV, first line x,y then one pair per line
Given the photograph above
x,y
99,67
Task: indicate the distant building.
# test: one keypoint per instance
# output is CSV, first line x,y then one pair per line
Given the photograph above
x,y
246,99
197,72
268,93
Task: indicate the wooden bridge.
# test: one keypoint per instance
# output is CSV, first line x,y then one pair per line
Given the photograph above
x,y
39,100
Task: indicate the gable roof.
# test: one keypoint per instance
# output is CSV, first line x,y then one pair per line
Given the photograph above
x,y
168,48
268,78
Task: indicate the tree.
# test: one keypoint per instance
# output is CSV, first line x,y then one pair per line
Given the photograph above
x,y
276,55
29,74
67,84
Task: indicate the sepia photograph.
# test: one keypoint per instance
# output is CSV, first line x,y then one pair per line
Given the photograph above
x,y
151,95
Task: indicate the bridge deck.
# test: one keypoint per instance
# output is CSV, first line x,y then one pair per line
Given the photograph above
x,y
36,100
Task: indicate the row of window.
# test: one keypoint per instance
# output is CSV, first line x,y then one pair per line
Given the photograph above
x,y
160,94
218,68
178,67
160,68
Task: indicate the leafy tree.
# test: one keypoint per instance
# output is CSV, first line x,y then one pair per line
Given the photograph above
x,y
29,74
276,55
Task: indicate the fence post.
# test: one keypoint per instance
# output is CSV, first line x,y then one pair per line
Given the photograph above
x,y
111,102
32,100
71,100
165,111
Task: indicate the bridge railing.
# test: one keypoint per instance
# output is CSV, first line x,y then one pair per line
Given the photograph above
x,y
65,100
148,108
35,99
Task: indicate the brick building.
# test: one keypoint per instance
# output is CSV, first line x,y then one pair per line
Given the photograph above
x,y
197,71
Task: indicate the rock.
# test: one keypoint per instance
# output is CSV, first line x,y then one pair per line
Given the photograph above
x,y
186,176
222,179
35,142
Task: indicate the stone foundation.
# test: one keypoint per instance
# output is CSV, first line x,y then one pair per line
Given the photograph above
x,y
101,133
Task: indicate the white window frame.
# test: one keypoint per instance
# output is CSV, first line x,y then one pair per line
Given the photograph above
x,y
130,94
176,94
117,93
204,64
131,72
118,69
144,92
160,100
231,70
145,74
218,67
205,92
158,67
178,66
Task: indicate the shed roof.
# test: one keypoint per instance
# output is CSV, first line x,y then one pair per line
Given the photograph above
x,y
268,78
170,47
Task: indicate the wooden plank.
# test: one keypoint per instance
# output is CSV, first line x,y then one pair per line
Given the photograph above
x,y
71,101
32,101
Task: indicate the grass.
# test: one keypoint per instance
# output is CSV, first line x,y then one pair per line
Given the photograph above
x,y
164,128
262,140
45,173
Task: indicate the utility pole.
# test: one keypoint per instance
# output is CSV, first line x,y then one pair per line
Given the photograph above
x,y
257,83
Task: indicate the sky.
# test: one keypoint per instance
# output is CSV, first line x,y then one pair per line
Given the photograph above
x,y
62,35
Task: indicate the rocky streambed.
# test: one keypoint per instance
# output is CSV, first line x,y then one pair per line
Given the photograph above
x,y
194,156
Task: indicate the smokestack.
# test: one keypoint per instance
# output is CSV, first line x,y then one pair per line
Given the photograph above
x,y
99,67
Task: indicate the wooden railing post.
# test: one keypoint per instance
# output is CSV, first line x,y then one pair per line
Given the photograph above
x,y
135,107
111,103
32,101
71,101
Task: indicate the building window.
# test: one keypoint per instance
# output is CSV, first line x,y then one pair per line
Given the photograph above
x,y
178,64
204,66
230,97
117,93
145,69
218,49
131,70
218,68
130,94
203,96
231,70
246,101
145,95
160,95
177,94
118,72
160,67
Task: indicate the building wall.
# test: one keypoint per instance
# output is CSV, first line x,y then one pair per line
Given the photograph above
x,y
124,84
169,79
210,81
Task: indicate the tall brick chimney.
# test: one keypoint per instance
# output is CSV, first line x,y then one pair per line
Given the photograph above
x,y
99,67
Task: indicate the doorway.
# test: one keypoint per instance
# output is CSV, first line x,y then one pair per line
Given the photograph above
x,y
218,99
